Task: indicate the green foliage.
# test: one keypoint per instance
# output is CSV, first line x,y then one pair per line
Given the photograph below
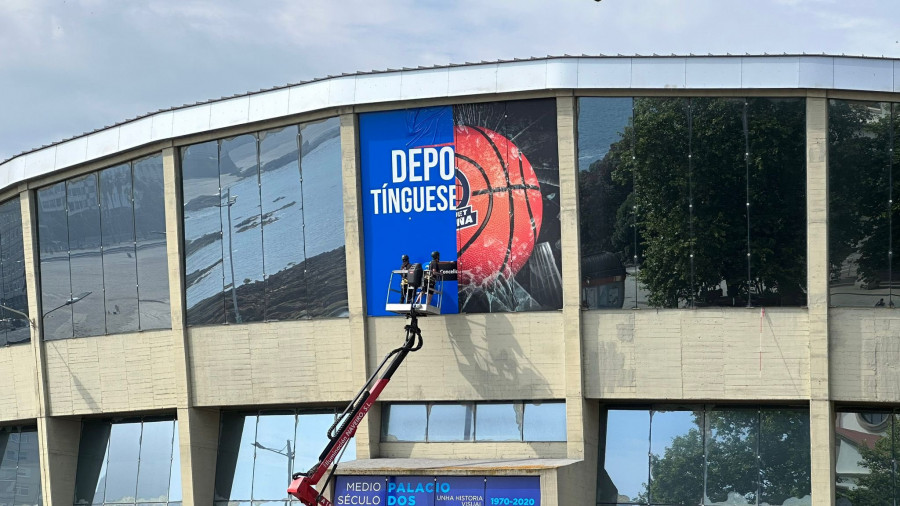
x,y
696,205
878,486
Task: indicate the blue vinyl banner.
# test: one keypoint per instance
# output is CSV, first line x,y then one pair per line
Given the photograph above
x,y
409,196
438,491
359,490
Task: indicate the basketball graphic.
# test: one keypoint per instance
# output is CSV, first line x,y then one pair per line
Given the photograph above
x,y
499,206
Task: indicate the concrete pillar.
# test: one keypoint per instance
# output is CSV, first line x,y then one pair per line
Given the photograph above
x,y
821,416
198,440
582,424
367,435
58,440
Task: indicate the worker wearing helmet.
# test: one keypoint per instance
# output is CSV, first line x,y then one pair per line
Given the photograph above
x,y
405,295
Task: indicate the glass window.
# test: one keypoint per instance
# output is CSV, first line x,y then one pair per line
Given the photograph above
x,y
451,422
204,275
234,465
117,223
241,229
150,237
404,422
323,218
676,457
282,224
545,421
258,453
860,209
732,472
498,422
864,459
16,326
88,306
9,462
53,239
28,474
127,463
784,461
624,475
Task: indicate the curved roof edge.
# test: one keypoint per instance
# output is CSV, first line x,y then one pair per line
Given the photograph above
x,y
552,72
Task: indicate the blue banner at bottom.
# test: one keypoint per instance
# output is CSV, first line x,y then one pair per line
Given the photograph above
x,y
437,491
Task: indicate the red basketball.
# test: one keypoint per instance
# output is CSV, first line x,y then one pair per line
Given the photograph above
x,y
499,206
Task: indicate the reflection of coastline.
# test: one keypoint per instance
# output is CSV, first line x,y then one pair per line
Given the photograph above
x,y
314,288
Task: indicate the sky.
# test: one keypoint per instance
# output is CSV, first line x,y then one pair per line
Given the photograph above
x,y
72,66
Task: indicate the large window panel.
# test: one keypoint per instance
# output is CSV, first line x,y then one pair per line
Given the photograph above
x,y
784,458
777,198
732,472
323,218
498,422
451,422
676,457
404,422
90,477
624,475
150,236
860,211
155,461
28,473
117,227
866,447
241,229
88,306
12,268
274,463
9,443
282,224
234,465
545,421
124,453
56,287
204,273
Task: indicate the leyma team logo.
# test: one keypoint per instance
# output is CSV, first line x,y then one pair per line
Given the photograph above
x,y
499,206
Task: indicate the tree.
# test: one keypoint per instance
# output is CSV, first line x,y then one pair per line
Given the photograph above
x,y
879,485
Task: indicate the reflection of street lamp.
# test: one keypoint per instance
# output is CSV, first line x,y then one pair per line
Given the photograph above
x,y
73,300
230,202
289,455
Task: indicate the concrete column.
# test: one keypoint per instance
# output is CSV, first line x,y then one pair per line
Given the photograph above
x,y
821,416
582,422
58,440
198,429
367,435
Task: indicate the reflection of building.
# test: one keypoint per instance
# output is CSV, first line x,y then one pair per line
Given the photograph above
x,y
207,341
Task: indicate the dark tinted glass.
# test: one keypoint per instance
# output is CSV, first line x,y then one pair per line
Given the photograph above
x,y
241,229
28,474
282,224
150,233
323,218
9,460
676,457
609,237
88,305
784,456
15,325
204,275
624,474
90,478
860,212
732,473
119,264
53,241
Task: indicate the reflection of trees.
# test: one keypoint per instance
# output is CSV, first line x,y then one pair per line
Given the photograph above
x,y
725,460
878,485
696,205
860,166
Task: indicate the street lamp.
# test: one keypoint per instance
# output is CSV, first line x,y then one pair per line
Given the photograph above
x,y
289,455
228,203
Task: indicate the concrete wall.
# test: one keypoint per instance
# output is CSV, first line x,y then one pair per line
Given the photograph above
x,y
109,374
475,357
19,396
712,353
293,363
865,355
473,450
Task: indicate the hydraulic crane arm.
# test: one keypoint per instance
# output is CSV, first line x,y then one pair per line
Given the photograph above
x,y
303,485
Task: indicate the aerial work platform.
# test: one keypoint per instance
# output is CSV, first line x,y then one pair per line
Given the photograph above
x,y
414,289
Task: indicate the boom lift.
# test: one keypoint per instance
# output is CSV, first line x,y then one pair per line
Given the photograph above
x,y
420,295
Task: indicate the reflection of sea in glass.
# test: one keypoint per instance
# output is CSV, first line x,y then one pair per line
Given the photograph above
x,y
202,232
625,470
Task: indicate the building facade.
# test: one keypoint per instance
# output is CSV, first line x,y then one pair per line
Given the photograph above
x,y
675,286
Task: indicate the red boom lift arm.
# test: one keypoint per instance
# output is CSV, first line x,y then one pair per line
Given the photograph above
x,y
302,486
